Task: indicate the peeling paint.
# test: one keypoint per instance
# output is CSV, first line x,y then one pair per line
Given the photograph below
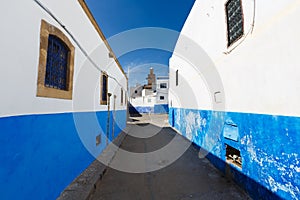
x,y
269,146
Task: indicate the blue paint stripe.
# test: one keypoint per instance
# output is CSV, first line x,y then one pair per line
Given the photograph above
x,y
269,146
42,154
161,108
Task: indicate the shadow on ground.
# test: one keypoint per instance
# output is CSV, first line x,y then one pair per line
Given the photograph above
x,y
189,177
132,111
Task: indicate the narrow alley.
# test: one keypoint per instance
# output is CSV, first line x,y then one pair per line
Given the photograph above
x,y
189,177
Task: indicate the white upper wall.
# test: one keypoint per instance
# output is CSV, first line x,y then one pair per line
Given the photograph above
x,y
260,73
20,39
162,91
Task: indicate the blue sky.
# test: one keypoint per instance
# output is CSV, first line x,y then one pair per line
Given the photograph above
x,y
117,16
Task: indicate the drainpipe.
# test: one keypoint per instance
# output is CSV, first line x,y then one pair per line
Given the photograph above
x,y
108,117
114,116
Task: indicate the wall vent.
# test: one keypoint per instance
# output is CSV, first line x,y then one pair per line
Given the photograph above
x,y
98,140
233,156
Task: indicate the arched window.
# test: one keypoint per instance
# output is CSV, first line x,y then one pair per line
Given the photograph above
x,y
235,21
56,63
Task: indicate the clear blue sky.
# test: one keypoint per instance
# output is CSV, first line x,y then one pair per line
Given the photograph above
x,y
116,16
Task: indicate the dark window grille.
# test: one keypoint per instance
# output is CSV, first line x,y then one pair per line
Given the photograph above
x,y
176,77
235,24
57,64
104,88
121,96
163,85
162,98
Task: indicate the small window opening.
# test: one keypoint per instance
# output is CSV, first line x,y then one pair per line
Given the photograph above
x,y
235,22
163,85
233,156
98,140
122,96
104,89
176,77
162,98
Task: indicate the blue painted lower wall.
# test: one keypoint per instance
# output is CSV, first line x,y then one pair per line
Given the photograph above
x,y
42,154
144,109
269,147
157,109
161,108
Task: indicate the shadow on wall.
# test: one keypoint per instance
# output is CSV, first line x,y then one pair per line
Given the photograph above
x,y
161,108
253,188
267,145
133,111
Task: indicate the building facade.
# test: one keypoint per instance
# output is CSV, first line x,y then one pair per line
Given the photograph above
x,y
234,91
162,94
152,97
62,96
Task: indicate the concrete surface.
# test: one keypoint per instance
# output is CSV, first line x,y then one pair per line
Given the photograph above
x,y
189,177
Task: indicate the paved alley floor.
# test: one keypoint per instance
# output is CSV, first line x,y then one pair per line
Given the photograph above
x,y
188,177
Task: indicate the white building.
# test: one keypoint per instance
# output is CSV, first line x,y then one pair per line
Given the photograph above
x,y
62,96
234,91
151,100
162,90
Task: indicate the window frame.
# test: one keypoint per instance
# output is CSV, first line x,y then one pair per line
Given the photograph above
x,y
165,85
47,29
230,44
102,101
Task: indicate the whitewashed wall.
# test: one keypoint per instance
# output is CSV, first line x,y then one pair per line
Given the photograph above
x,y
20,38
162,91
145,101
260,75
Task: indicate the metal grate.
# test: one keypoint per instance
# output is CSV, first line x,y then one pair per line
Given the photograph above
x,y
104,87
235,24
176,77
57,64
122,96
163,85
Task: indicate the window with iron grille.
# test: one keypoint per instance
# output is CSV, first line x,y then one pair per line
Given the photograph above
x,y
57,64
104,89
122,96
163,85
176,77
235,22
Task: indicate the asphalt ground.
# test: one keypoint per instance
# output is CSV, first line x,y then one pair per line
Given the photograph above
x,y
159,176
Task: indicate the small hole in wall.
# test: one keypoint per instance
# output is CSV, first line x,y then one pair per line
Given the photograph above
x,y
218,97
233,156
98,140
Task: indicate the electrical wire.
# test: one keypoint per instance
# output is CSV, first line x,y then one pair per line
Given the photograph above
x,y
76,41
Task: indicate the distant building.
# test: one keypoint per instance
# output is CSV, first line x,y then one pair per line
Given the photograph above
x,y
136,91
162,94
151,80
153,97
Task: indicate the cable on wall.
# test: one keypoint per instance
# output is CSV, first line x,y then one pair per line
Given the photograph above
x,y
76,41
